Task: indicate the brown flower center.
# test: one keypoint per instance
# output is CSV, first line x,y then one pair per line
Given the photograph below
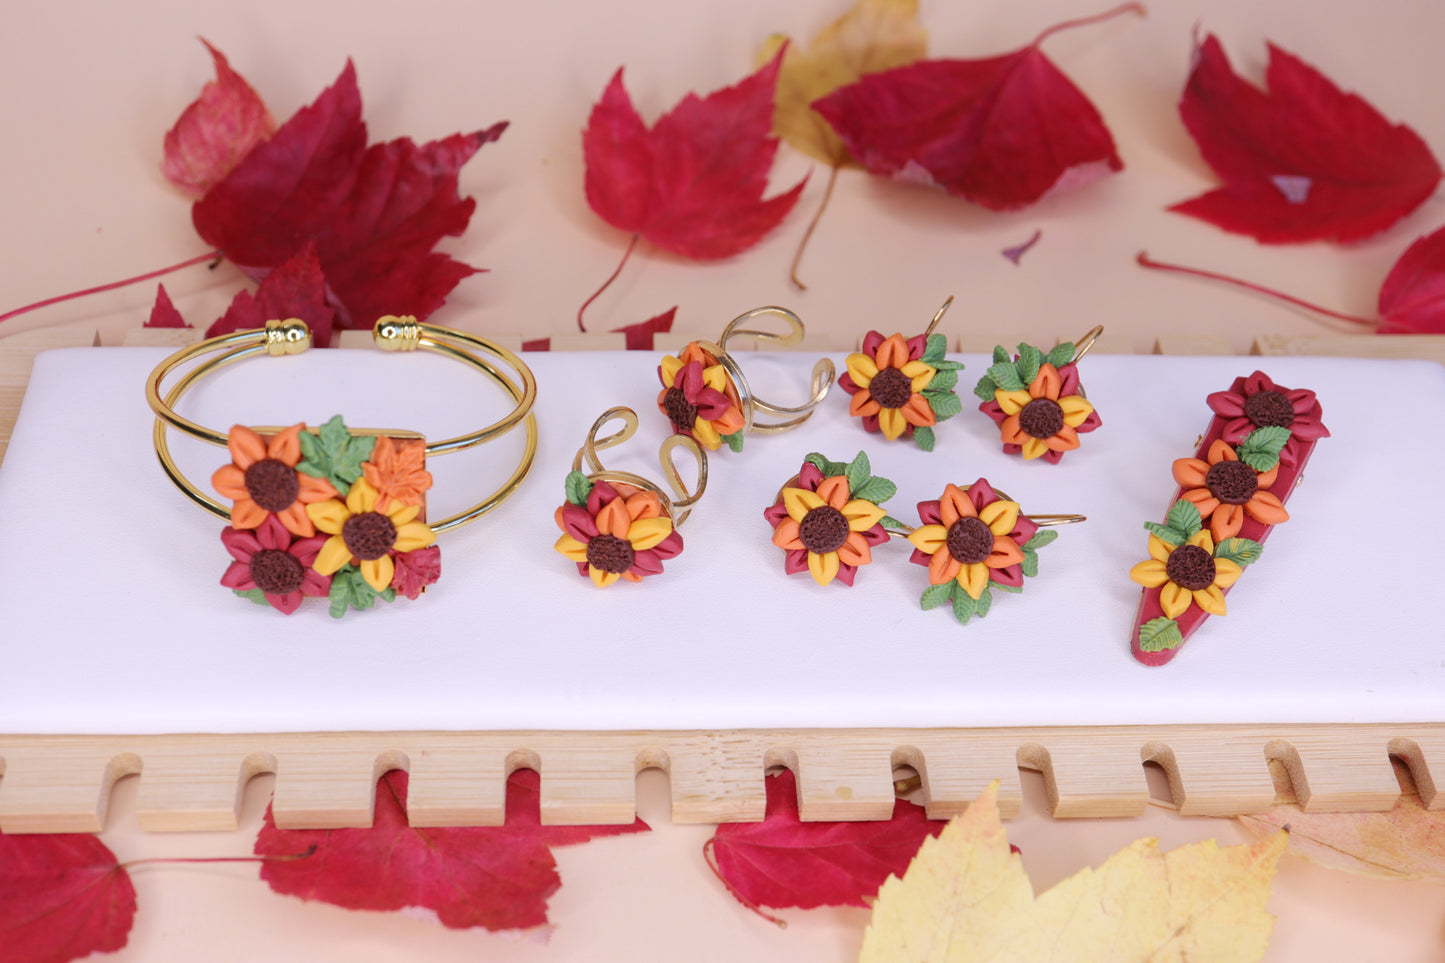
x,y
608,553
891,388
1190,567
1269,409
823,530
276,572
681,412
1232,482
969,540
369,535
272,484
1041,418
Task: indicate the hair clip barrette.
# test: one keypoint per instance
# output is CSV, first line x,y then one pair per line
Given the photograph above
x,y
1231,495
334,512
1036,399
706,397
618,525
903,387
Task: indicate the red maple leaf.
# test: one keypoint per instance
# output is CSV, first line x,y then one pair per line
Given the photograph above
x,y
215,131
693,184
639,335
783,861
374,213
498,877
417,569
164,313
1303,162
1412,299
1001,131
62,897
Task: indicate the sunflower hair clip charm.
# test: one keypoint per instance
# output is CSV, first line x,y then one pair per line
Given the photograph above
x,y
1036,399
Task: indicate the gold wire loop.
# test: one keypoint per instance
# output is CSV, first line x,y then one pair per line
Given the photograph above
x,y
677,508
937,317
1042,521
292,336
1082,346
822,379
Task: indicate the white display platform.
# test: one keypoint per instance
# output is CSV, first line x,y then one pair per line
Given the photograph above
x,y
135,634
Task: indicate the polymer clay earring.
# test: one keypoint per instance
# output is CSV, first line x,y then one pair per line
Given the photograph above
x,y
1231,496
828,517
974,539
335,512
1036,399
706,397
618,525
903,387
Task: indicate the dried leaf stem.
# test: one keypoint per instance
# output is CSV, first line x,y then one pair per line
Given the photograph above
x,y
711,858
1111,13
213,256
1146,261
608,283
278,858
808,234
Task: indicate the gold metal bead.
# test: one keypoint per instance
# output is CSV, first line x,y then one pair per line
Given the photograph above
x,y
393,333
290,336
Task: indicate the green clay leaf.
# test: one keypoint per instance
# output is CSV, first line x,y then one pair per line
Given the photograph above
x,y
935,348
579,486
936,595
923,437
1061,354
876,490
1011,589
335,454
943,381
1030,358
255,595
735,440
985,388
1041,538
964,606
945,404
1167,534
985,602
828,468
1000,354
1160,635
1006,376
1184,517
1240,551
1261,449
943,364
888,521
1030,564
858,472
350,590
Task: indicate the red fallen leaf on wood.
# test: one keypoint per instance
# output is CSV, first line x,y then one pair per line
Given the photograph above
x,y
216,131
375,213
62,897
1303,162
1001,131
1412,298
498,877
639,335
164,313
783,861
693,184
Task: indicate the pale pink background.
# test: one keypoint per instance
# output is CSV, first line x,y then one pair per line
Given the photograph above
x,y
87,91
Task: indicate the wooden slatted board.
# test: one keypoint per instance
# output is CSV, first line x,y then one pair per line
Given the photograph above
x,y
190,782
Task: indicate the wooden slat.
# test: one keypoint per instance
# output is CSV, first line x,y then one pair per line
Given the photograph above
x,y
1428,347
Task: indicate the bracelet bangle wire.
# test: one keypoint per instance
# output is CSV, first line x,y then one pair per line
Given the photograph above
x,y
389,334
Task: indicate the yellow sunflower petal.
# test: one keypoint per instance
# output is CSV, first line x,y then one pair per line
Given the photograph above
x,y
670,366
329,515
646,533
1226,573
1076,410
601,578
1158,548
570,547
799,502
862,514
1000,516
928,539
1034,447
332,556
715,377
412,536
861,369
973,578
378,572
1203,539
1211,600
401,514
362,497
891,422
1149,573
1012,402
1174,599
920,374
706,434
824,567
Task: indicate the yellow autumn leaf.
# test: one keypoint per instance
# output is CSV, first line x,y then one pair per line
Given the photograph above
x,y
1408,842
875,35
966,899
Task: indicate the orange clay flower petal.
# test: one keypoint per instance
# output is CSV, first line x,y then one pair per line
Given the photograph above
x,y
246,446
694,351
1219,450
799,502
1065,439
230,482
974,578
412,536
629,577
731,422
601,578
613,519
1202,499
1268,478
1011,432
1174,599
855,550
648,532
570,547
296,520
1266,508
918,412
954,505
893,352
332,556
862,369
1005,552
862,514
1012,402
891,422
1211,600
1225,522
1076,410
285,445
247,514
862,404
824,567
314,489
1226,573
378,572
1047,383
928,539
943,568
787,535
1000,517
1190,472
1149,573
644,504
834,491
329,516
